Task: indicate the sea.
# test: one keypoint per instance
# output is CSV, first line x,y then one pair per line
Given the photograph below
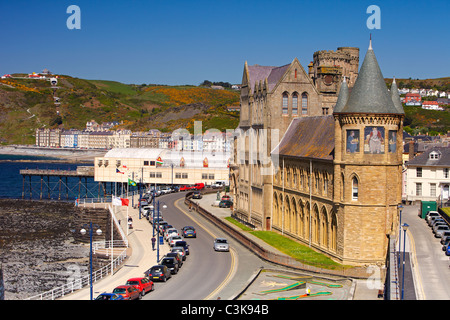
x,y
13,186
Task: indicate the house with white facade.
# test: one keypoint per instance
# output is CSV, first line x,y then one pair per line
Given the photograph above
x,y
427,176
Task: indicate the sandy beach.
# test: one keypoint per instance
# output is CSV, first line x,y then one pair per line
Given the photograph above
x,y
75,155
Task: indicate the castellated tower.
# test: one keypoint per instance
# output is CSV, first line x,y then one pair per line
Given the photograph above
x,y
328,69
367,165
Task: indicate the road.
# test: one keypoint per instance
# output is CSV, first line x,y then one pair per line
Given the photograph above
x,y
204,270
430,264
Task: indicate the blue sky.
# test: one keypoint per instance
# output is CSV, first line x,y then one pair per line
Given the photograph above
x,y
186,42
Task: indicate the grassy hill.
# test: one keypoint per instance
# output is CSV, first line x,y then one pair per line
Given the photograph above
x,y
27,104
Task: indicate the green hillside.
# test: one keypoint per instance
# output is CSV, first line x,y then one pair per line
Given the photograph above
x,y
27,104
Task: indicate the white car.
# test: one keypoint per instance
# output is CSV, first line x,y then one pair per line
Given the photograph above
x,y
173,239
221,244
169,232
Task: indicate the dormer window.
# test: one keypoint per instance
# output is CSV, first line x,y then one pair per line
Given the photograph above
x,y
434,155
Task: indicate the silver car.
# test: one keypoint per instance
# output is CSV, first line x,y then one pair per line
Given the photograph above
x,y
439,231
221,244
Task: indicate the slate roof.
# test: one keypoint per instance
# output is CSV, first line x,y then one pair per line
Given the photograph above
x,y
260,73
308,137
425,161
342,98
370,94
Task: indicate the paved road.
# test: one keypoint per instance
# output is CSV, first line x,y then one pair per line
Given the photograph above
x,y
430,264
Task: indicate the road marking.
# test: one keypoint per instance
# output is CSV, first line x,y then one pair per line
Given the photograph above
x,y
234,259
417,275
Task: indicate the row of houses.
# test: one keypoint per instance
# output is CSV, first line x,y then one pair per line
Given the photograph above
x,y
425,92
90,138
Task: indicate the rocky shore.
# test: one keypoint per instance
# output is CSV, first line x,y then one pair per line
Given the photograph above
x,y
37,248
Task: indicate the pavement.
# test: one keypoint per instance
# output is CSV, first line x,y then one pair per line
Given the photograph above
x,y
143,257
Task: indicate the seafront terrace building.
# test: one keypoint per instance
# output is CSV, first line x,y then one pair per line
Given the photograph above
x,y
161,166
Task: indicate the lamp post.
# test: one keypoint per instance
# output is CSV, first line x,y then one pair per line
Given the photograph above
x,y
399,234
83,232
159,237
405,227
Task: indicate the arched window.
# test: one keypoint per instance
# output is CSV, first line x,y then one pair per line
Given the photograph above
x,y
304,103
354,189
295,104
285,103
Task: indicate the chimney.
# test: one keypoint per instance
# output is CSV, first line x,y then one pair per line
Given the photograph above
x,y
411,150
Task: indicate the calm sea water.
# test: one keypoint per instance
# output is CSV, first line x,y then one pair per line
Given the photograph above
x,y
11,181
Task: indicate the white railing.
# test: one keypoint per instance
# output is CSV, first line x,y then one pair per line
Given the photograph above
x,y
81,282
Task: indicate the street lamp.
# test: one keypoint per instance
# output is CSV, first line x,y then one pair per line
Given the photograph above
x,y
399,234
157,230
405,227
83,232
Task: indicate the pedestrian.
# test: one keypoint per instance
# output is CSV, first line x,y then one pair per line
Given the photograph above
x,y
153,243
130,222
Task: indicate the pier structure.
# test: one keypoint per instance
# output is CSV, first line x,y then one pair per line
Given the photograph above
x,y
77,183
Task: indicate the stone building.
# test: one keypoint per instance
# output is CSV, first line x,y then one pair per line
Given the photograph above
x,y
335,180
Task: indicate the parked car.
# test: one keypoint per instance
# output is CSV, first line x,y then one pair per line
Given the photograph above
x,y
166,191
445,242
169,232
109,296
165,227
445,237
198,186
438,223
127,292
432,219
196,195
431,214
225,204
440,230
185,188
188,232
183,244
158,272
447,250
174,238
171,263
177,256
221,244
181,251
226,197
143,285
161,224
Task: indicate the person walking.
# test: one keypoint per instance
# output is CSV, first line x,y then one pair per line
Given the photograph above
x,y
153,243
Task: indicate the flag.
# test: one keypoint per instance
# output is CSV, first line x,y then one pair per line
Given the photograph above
x,y
159,162
118,171
116,201
124,201
131,182
125,167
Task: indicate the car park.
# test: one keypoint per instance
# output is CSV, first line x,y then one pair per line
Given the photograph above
x,y
225,204
183,244
181,251
127,292
109,296
174,238
144,285
171,263
221,244
177,256
188,232
440,230
158,272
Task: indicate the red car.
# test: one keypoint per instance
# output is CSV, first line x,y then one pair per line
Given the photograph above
x,y
226,197
128,292
198,186
143,285
185,188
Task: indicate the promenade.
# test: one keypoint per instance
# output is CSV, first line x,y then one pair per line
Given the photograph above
x,y
141,255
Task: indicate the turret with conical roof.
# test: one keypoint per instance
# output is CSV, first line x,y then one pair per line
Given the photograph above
x,y
342,98
396,97
369,94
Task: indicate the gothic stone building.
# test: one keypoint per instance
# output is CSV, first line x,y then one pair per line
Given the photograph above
x,y
333,181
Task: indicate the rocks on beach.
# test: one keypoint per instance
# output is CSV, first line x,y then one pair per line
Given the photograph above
x,y
38,252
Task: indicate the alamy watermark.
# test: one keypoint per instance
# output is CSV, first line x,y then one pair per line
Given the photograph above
x,y
374,20
74,20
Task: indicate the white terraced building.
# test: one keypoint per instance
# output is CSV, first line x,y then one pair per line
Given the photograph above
x,y
161,166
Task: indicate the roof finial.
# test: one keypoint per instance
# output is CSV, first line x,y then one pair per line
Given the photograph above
x,y
344,79
393,81
370,42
